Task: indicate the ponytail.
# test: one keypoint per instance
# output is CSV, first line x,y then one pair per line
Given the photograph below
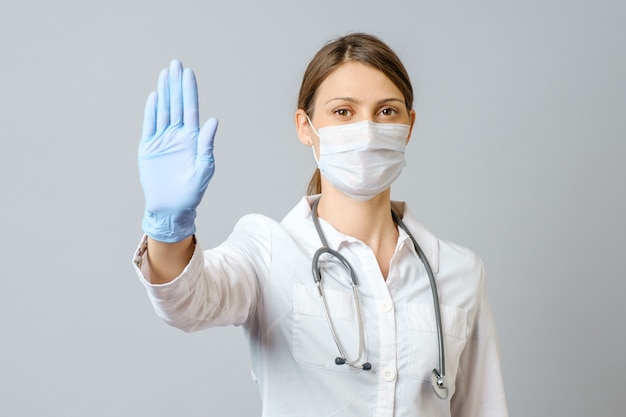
x,y
315,184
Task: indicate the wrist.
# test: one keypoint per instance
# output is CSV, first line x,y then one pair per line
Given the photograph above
x,y
167,260
169,227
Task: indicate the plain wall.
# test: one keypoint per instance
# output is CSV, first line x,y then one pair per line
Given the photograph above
x,y
518,153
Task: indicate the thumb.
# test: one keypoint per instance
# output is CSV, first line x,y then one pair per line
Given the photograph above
x,y
205,141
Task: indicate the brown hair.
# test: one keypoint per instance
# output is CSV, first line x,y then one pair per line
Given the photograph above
x,y
355,47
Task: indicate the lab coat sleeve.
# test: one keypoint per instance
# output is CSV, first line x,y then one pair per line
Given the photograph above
x,y
218,287
479,385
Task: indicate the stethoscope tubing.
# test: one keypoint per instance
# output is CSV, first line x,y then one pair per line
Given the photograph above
x,y
317,276
433,290
438,376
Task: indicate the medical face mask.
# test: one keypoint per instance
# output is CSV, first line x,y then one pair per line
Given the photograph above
x,y
362,159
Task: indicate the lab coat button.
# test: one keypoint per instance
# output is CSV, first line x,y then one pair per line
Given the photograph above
x,y
389,374
386,306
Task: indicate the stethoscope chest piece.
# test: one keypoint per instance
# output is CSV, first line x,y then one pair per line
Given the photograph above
x,y
439,384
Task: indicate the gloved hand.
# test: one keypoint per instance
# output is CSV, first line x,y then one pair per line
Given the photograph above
x,y
175,156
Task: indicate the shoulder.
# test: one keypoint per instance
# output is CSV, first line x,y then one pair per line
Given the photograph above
x,y
460,259
254,232
448,257
262,230
295,218
256,223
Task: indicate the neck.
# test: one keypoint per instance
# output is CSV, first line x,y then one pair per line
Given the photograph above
x,y
369,221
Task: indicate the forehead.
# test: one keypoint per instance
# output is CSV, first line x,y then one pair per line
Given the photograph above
x,y
359,81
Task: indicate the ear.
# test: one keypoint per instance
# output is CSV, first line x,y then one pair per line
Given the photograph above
x,y
303,128
412,117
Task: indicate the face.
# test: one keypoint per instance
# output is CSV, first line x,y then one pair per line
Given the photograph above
x,y
352,93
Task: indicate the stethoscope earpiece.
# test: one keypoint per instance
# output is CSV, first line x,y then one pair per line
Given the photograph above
x,y
341,361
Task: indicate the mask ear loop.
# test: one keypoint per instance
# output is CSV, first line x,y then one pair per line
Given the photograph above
x,y
317,161
311,124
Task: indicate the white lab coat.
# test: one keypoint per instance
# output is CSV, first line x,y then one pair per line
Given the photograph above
x,y
260,277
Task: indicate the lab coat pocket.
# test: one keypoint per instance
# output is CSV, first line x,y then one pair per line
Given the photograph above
x,y
312,341
424,356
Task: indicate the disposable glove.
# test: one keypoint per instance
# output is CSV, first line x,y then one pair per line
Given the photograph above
x,y
175,156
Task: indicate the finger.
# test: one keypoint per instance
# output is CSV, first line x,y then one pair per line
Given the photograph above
x,y
190,100
163,101
206,138
176,93
149,116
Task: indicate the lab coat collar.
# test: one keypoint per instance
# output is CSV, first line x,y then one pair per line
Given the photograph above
x,y
428,242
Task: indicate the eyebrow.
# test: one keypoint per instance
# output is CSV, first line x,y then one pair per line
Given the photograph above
x,y
355,101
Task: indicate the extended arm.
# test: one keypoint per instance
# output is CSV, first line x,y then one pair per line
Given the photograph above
x,y
175,166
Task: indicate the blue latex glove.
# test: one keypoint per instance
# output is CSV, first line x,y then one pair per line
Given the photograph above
x,y
175,156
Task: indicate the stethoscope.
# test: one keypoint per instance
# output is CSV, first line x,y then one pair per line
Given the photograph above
x,y
438,376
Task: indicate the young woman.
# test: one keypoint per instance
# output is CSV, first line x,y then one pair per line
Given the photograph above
x,y
351,307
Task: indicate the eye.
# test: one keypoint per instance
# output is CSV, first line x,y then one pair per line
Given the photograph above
x,y
388,111
342,112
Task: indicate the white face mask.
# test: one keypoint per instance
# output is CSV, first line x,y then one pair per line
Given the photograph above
x,y
362,159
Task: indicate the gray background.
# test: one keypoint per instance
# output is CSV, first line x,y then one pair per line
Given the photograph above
x,y
518,154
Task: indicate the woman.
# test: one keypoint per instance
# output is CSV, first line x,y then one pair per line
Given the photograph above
x,y
317,347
